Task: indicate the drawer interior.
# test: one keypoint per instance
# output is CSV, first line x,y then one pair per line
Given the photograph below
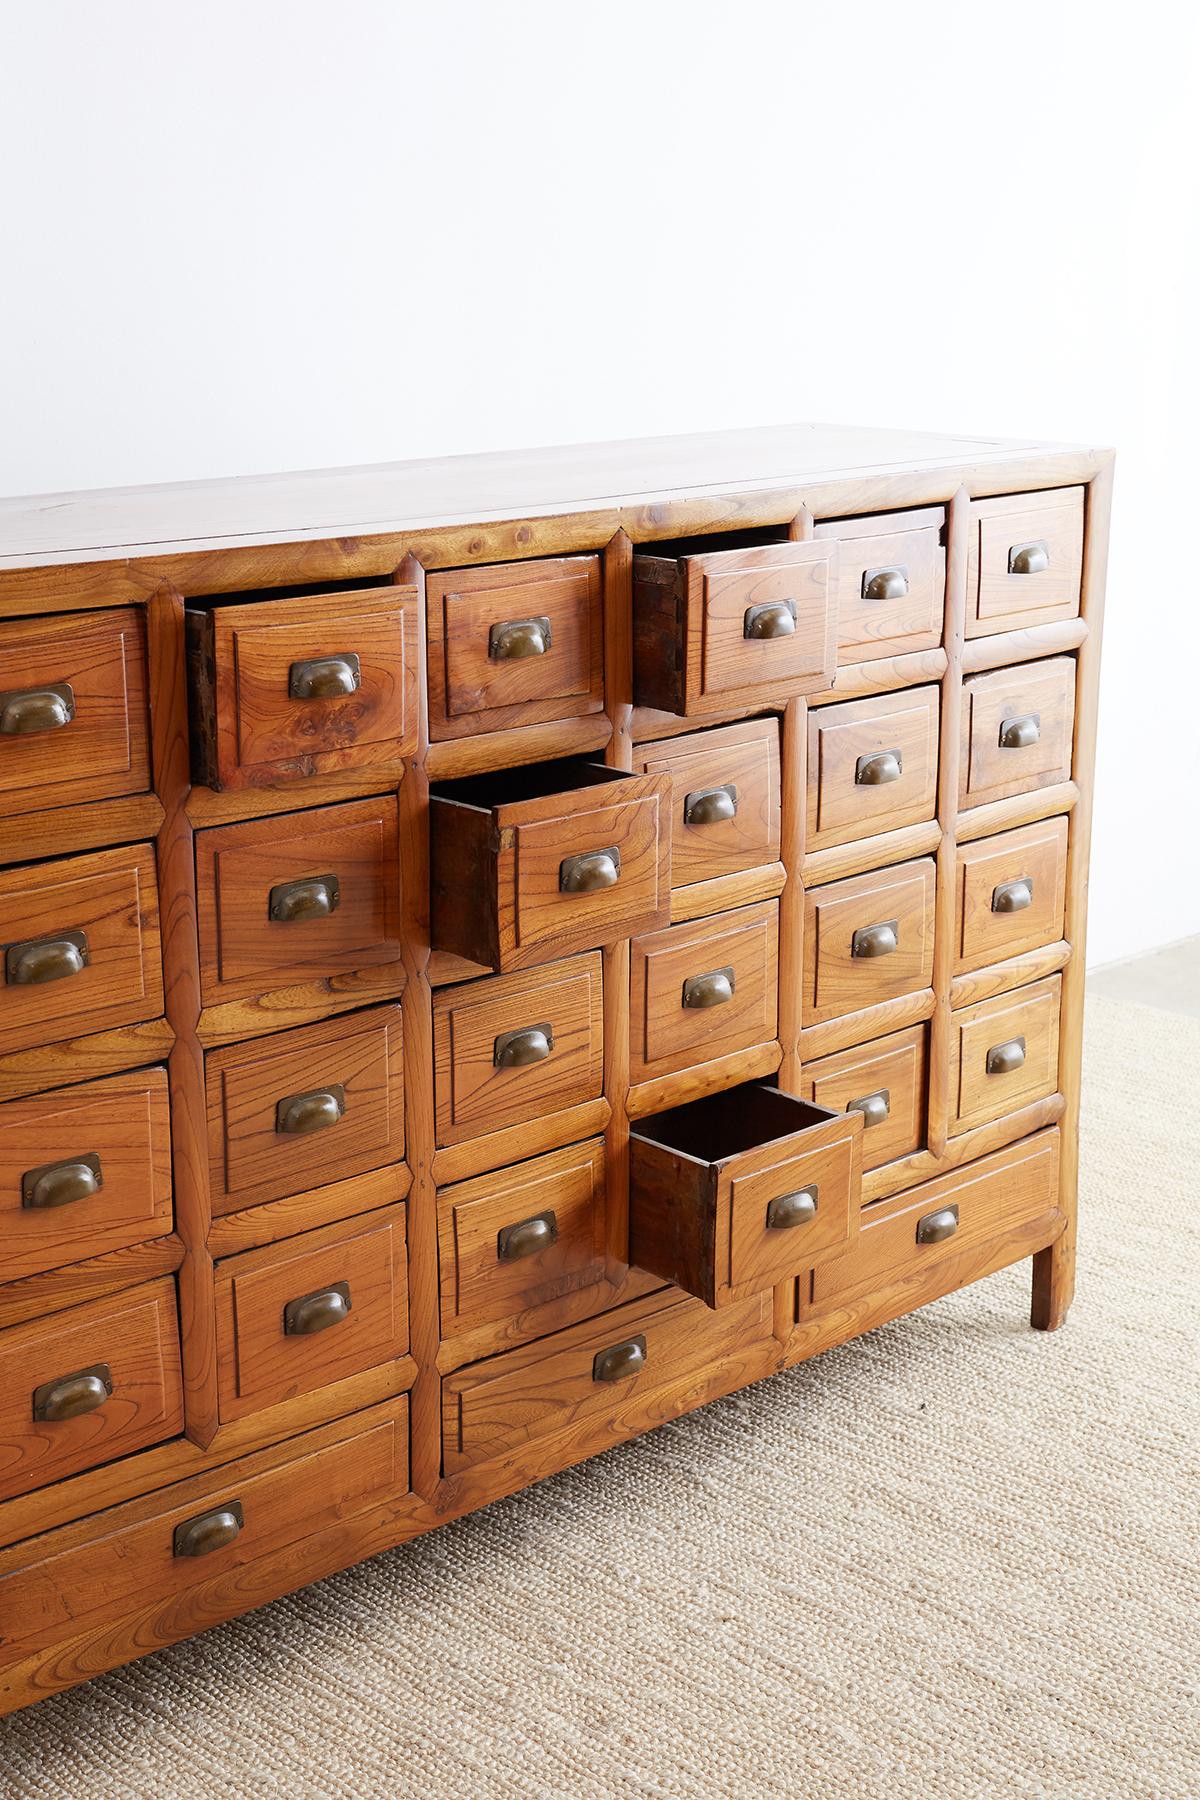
x,y
530,781
731,1123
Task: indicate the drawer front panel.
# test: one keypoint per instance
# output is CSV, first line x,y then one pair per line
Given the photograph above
x,y
73,722
762,1253
703,990
1017,727
1027,560
1010,893
304,1108
546,919
872,766
87,1386
868,939
84,1170
724,801
1006,1053
513,1241
885,1081
735,585
891,581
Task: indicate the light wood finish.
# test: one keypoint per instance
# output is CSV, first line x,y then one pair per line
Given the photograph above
x,y
980,1140
92,826
1022,809
1016,730
702,991
890,577
842,975
1049,524
885,1080
1017,971
457,1162
1007,1053
92,1278
1027,645
743,762
726,892
1009,894
267,1223
855,858
868,1022
874,767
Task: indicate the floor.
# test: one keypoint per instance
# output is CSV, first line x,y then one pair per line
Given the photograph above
x,y
1168,979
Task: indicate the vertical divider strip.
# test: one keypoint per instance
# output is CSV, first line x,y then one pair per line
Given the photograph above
x,y
618,703
941,1074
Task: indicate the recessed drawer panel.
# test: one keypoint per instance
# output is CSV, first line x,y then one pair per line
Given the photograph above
x,y
1016,730
872,766
1010,893
703,990
1005,1053
1025,560
884,1081
891,583
724,798
868,939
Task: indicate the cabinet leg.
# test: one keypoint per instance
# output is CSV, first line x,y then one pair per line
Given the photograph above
x,y
1053,1282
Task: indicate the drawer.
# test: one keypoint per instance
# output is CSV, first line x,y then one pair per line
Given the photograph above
x,y
715,629
1005,1053
593,1380
311,1310
1010,893
84,1170
1025,560
305,896
79,946
868,939
514,1048
898,1238
536,862
303,1108
884,1081
73,722
514,644
307,685
734,1193
891,583
724,798
88,1385
703,990
872,766
511,1242
1017,727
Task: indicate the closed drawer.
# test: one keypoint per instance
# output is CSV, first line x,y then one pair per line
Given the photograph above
x,y
281,689
1017,727
511,1242
872,766
1025,560
1009,894
884,1081
84,1170
514,644
891,583
296,898
724,798
703,990
536,862
73,723
304,1108
79,946
917,1230
301,1314
597,1380
1005,1053
87,1386
734,1193
868,939
716,629
514,1048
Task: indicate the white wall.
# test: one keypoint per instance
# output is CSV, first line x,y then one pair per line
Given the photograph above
x,y
243,235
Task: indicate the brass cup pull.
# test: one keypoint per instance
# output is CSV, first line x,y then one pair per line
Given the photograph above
x,y
620,1361
589,872
789,1210
518,1049
711,989
880,767
1029,559
61,1183
937,1226
710,806
876,940
1012,896
26,711
325,677
515,639
885,584
72,1395
1003,1059
314,898
46,959
773,619
310,1313
515,1242
209,1531
298,1114
1019,733
874,1108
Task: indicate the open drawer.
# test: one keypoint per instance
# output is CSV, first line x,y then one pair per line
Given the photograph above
x,y
737,1192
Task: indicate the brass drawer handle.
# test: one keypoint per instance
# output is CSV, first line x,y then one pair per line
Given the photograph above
x,y
325,677
314,898
61,1183
711,989
1003,1059
876,940
1019,733
620,1361
71,1396
298,1114
773,619
877,769
1012,896
885,584
209,1531
874,1108
936,1227
310,1313
515,1242
517,1049
515,639
710,806
38,960
590,871
1029,559
23,712
789,1210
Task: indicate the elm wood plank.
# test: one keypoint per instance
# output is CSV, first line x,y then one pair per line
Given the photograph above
x,y
892,1071
734,954
1004,596
701,899
552,1315
858,858
1037,699
844,923
1022,809
300,1003
873,619
892,1178
93,1055
485,750
883,676
267,1223
474,1156
1031,862
1005,1053
874,767
94,825
743,759
958,531
1030,644
868,1022
445,968
701,1079
981,984
91,1278
206,806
